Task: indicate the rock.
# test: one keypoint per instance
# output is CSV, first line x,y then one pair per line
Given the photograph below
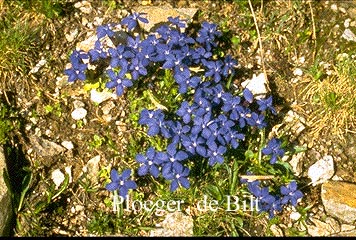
x,y
257,85
57,177
298,72
175,224
322,170
40,64
93,167
319,228
78,104
72,35
79,113
107,107
295,216
5,199
99,97
84,7
339,200
297,163
292,125
46,148
68,145
349,35
160,14
276,231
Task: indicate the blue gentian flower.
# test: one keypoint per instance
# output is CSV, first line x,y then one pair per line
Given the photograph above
x,y
177,22
118,81
186,111
266,104
132,20
194,144
273,149
248,95
215,153
119,56
149,163
291,193
121,182
179,176
105,30
172,157
214,69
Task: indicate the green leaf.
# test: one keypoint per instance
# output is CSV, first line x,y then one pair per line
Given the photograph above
x,y
214,192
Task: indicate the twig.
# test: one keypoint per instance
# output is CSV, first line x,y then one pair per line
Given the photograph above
x,y
260,44
314,31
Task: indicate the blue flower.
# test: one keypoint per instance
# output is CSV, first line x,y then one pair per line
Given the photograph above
x,y
171,159
132,20
77,71
266,104
185,111
154,119
97,52
177,130
149,163
118,81
291,193
257,120
214,69
229,66
105,30
177,22
194,144
215,153
119,56
137,69
274,149
248,95
179,176
121,182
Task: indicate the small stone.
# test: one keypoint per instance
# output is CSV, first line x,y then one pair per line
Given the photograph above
x,y
319,228
159,14
297,163
107,107
175,224
45,148
257,85
72,35
84,7
295,216
322,170
78,104
107,118
276,231
40,64
298,72
99,97
347,227
79,113
57,177
347,23
349,35
68,171
93,166
339,200
67,144
333,7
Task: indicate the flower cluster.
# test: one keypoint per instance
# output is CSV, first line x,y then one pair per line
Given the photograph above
x,y
208,122
270,203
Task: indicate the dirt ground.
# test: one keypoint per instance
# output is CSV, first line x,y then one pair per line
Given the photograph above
x,y
287,30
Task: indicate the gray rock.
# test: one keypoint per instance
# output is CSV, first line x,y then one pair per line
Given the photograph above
x,y
5,200
159,14
257,85
79,113
46,148
339,200
175,224
319,228
322,170
349,35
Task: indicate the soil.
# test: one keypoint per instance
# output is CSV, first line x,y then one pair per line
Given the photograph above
x,y
31,93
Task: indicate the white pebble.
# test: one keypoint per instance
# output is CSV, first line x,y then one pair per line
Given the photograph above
x,y
68,145
57,177
79,113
